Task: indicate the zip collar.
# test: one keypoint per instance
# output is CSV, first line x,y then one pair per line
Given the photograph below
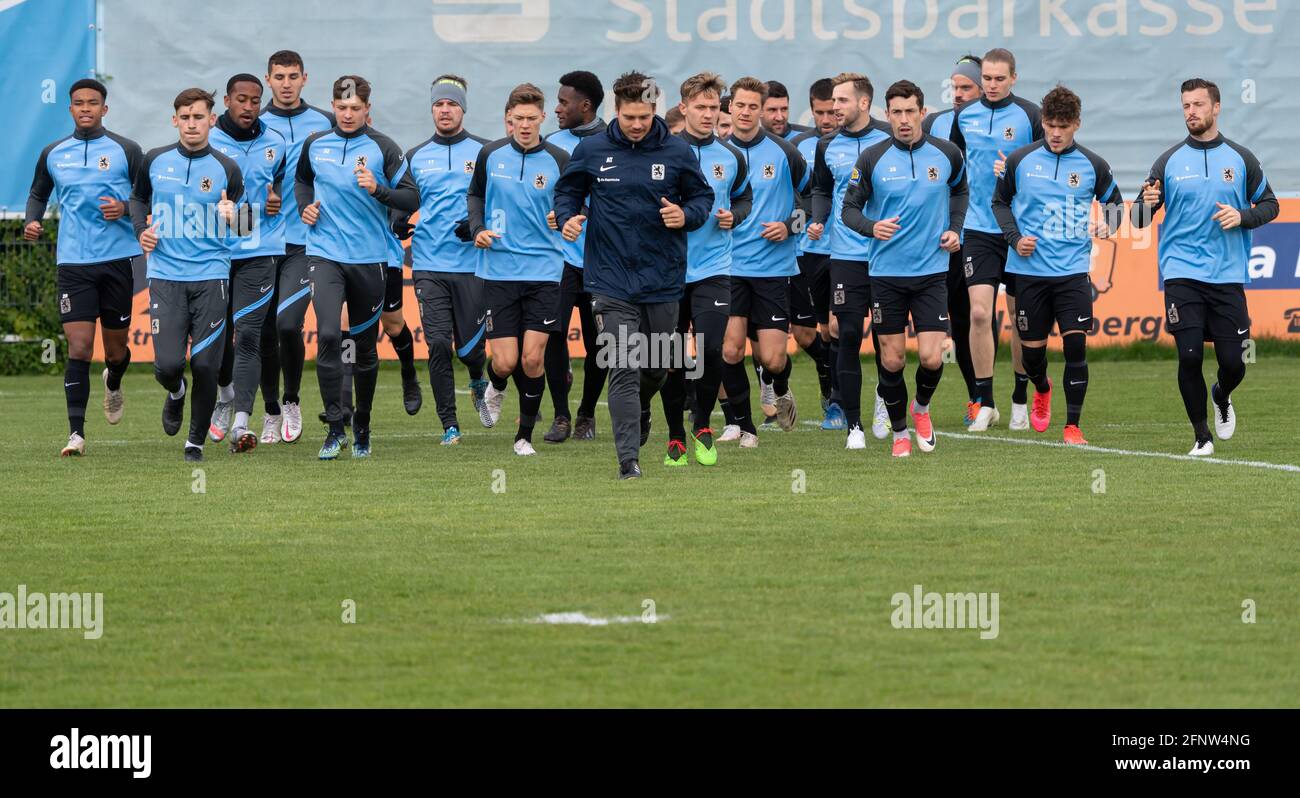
x,y
193,155
1073,146
272,108
744,145
591,128
361,131
541,144
447,141
227,124
998,104
88,135
697,142
1197,144
905,147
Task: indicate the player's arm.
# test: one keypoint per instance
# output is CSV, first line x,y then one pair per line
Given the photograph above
x,y
572,189
958,191
1259,193
142,195
304,180
476,196
823,185
1151,197
1107,194
42,186
695,191
801,183
242,224
1003,194
858,195
742,195
400,191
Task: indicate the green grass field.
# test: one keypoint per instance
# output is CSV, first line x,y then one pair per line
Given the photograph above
x,y
764,596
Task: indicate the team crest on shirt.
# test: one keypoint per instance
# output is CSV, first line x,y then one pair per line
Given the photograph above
x,y
1229,175
855,177
1009,133
656,171
1073,180
932,173
205,185
719,171
270,154
539,181
361,162
103,163
769,171
469,167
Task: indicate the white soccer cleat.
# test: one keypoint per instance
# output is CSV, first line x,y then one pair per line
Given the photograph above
x,y
76,446
987,417
748,440
271,429
857,439
730,433
880,425
113,402
491,410
523,448
290,422
1202,449
1225,420
787,412
1019,417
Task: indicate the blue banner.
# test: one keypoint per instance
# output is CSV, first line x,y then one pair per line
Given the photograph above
x,y
48,45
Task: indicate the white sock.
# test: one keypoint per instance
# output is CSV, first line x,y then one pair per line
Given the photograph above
x,y
901,434
226,393
241,420
920,410
180,394
189,445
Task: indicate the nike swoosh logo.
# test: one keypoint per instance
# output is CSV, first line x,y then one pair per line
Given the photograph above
x,y
481,318
532,395
303,282
70,384
548,321
264,289
718,304
1078,382
213,325
394,305
607,168
801,316
774,318
125,318
943,318
1084,318
1243,332
376,307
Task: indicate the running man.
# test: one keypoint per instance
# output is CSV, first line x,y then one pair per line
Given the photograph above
x,y
511,199
347,180
1214,193
90,174
188,263
909,193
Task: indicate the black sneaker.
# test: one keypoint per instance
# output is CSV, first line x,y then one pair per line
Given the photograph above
x,y
193,454
629,469
645,427
174,410
411,397
584,428
560,431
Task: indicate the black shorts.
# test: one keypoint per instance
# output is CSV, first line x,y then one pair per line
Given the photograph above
x,y
1042,300
1217,310
710,295
89,291
815,277
514,306
451,308
985,256
925,299
765,301
392,289
850,287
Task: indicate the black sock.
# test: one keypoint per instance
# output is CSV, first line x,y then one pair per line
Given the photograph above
x,y
555,360
674,399
530,401
926,381
736,381
1232,369
1191,384
1035,360
499,382
404,346
360,421
1020,393
817,352
849,367
832,365
985,387
893,389
76,388
1076,377
781,382
728,415
116,370
475,366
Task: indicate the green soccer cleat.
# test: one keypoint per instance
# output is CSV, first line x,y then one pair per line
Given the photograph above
x,y
676,456
706,454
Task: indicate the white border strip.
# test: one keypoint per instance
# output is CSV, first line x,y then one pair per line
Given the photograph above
x,y
1294,469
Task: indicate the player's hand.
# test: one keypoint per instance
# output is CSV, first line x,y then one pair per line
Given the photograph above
x,y
949,241
573,228
550,220
1151,192
1099,229
149,239
311,213
815,231
1227,216
885,229
674,218
484,239
1026,246
726,219
112,209
775,232
1000,165
272,202
226,208
33,231
365,179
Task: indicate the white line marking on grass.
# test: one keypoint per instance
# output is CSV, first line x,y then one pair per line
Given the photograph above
x,y
1295,469
582,619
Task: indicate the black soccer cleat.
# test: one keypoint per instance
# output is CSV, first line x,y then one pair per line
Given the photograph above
x,y
173,412
412,400
193,454
560,431
629,469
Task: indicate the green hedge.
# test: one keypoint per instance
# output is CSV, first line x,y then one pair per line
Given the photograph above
x,y
27,307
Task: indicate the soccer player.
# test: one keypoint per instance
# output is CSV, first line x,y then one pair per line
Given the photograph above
x,y
513,189
909,193
776,112
1214,193
834,162
986,130
723,129
965,82
1046,223
635,269
450,295
282,343
260,152
579,97
347,180
90,174
183,209
707,298
764,253
810,290
399,335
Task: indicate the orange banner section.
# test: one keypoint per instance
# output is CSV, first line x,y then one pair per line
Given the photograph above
x,y
1128,302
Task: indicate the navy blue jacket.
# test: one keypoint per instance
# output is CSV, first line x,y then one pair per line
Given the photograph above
x,y
630,255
